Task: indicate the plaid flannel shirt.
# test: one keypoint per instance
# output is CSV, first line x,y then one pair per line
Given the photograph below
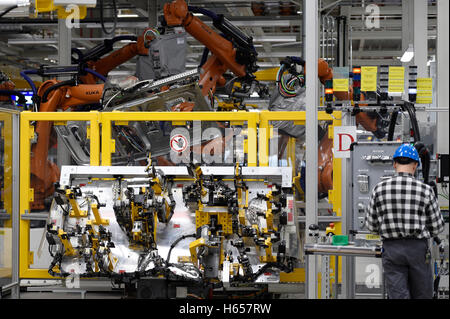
x,y
403,207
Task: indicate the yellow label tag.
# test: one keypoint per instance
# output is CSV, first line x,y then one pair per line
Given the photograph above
x,y
425,84
396,79
369,78
424,98
372,237
340,85
424,91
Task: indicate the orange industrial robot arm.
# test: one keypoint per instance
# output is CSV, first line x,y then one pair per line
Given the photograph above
x,y
44,172
64,95
224,53
118,57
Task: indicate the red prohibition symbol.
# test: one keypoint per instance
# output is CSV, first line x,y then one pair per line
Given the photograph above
x,y
178,143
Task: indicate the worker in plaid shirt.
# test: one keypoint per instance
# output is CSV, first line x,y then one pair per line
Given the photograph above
x,y
405,213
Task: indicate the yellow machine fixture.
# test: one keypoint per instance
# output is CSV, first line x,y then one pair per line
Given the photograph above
x,y
138,214
87,239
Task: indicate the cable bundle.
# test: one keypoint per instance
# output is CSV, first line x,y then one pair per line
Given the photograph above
x,y
290,82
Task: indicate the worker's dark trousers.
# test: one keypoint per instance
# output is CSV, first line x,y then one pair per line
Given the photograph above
x,y
407,269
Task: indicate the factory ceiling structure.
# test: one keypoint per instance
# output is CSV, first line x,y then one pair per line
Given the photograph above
x,y
276,28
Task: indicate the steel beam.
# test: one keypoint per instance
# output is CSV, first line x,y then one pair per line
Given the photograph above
x,y
15,292
64,58
442,75
311,52
420,37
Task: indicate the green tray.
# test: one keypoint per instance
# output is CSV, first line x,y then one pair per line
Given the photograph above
x,y
339,240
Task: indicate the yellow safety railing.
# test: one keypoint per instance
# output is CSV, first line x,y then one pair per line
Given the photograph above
x,y
258,136
26,134
6,136
6,195
179,118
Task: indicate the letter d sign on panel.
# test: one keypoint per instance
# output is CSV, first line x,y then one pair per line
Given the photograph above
x,y
344,136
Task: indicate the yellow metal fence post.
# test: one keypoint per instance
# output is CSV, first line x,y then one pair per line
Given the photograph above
x,y
6,231
25,256
24,194
94,138
6,134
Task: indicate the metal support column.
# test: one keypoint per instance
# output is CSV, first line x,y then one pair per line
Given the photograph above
x,y
152,9
442,74
348,263
348,267
420,21
15,214
407,25
415,33
64,59
311,49
420,38
344,43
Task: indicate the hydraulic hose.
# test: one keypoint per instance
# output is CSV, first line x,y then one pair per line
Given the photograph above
x,y
21,97
424,153
8,10
425,159
391,130
24,74
176,243
102,20
94,73
79,53
204,57
56,86
221,23
101,49
124,37
415,126
280,266
204,11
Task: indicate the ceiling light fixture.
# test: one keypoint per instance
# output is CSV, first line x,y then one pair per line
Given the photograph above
x,y
127,15
408,55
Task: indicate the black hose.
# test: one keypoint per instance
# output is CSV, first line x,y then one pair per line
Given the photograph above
x,y
425,159
102,20
21,97
101,49
412,115
57,261
8,10
392,126
204,57
56,86
436,286
204,11
79,54
176,243
423,151
280,266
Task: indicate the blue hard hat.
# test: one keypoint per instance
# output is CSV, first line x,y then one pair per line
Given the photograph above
x,y
407,150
